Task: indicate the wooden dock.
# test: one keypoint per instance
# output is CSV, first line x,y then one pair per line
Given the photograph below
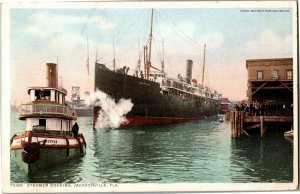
x,y
241,122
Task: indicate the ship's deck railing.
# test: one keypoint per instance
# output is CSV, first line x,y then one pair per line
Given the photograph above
x,y
198,91
53,109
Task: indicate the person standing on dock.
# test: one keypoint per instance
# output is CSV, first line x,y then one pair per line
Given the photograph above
x,y
251,109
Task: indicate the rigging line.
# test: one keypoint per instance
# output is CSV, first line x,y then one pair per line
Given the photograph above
x,y
122,54
187,39
169,62
157,50
180,30
182,38
159,37
145,37
125,52
134,21
118,40
122,24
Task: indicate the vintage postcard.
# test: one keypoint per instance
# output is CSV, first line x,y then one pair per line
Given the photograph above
x,y
149,96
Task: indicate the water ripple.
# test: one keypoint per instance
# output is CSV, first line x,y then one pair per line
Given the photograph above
x,y
197,152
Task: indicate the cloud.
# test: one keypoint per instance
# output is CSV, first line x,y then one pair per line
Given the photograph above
x,y
269,45
45,24
212,40
46,35
187,28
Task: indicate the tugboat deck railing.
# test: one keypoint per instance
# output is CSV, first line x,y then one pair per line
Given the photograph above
x,y
46,109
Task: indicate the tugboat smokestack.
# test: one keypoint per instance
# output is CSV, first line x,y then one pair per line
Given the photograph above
x,y
189,69
52,75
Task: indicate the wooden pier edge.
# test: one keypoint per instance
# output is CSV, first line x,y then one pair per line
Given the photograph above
x,y
237,124
241,121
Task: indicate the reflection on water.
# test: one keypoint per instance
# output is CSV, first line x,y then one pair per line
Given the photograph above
x,y
263,159
200,151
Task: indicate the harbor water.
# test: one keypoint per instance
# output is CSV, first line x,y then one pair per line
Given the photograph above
x,y
195,152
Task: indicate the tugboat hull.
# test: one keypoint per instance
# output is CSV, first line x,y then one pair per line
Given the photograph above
x,y
47,158
38,152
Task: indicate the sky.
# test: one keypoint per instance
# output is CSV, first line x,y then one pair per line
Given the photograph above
x,y
232,35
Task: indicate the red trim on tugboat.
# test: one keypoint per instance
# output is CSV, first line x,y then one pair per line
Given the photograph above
x,y
143,121
42,135
16,147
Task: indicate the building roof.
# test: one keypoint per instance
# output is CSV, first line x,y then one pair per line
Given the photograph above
x,y
271,59
253,62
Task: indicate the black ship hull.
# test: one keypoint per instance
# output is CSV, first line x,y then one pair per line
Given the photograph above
x,y
151,105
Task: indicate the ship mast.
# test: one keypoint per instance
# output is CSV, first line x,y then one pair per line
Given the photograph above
x,y
163,59
88,56
203,64
147,55
114,60
150,46
145,59
139,61
97,52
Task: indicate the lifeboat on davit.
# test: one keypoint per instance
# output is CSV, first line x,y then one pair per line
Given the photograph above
x,y
51,135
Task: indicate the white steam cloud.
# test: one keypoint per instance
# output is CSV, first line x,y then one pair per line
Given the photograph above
x,y
112,114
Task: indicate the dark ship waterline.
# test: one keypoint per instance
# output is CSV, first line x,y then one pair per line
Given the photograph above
x,y
163,101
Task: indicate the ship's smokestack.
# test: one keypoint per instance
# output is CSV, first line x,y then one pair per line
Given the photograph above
x,y
52,75
189,69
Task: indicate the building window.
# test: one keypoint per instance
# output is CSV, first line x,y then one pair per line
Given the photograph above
x,y
274,74
289,74
259,75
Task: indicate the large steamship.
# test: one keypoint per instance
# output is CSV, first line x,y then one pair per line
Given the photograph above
x,y
157,98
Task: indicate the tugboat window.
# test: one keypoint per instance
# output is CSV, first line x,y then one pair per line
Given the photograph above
x,y
37,95
47,94
42,122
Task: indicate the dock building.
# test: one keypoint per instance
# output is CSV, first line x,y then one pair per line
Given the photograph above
x,y
270,97
270,80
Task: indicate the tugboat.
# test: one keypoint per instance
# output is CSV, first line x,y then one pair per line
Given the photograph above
x,y
50,136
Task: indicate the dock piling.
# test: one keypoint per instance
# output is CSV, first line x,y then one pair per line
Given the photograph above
x,y
262,128
241,121
237,124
